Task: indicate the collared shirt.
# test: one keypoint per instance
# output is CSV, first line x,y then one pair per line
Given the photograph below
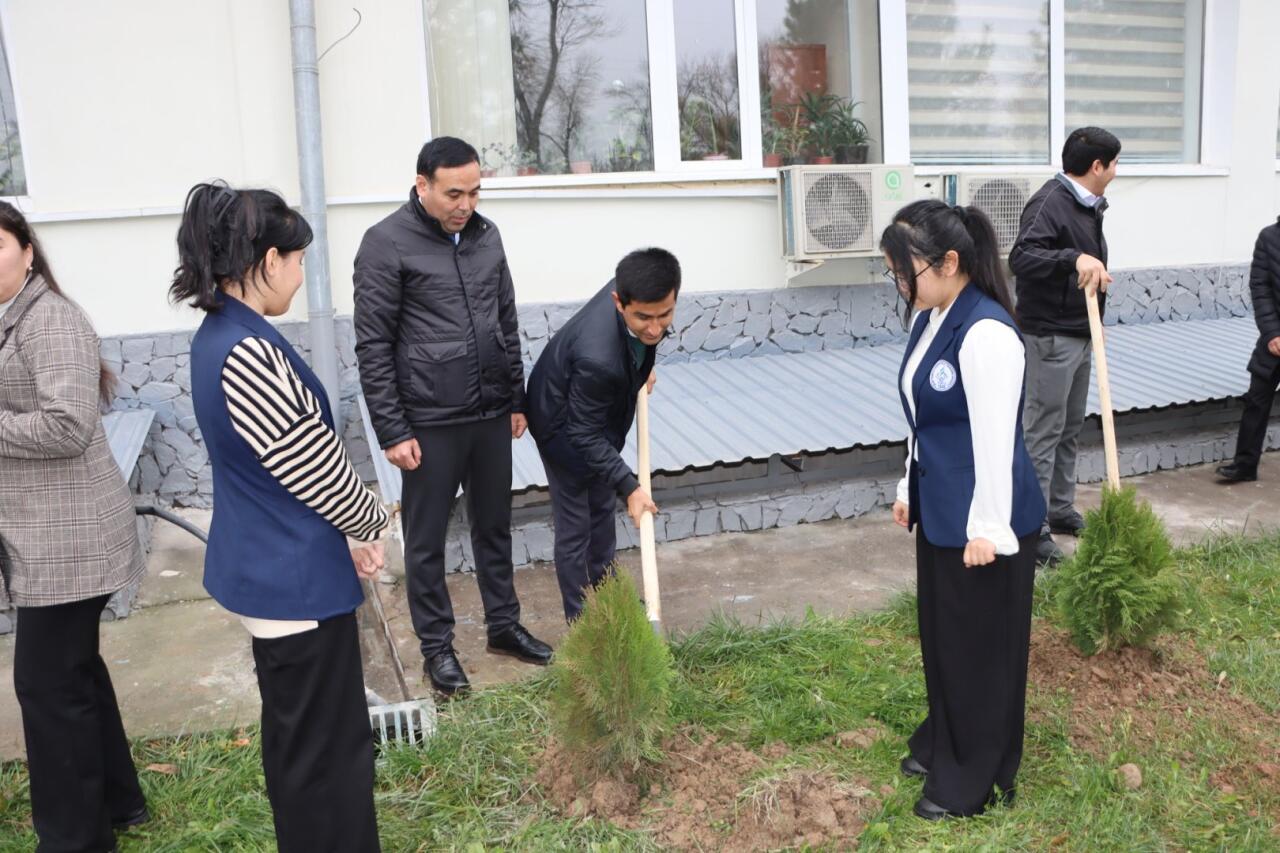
x,y
636,346
1086,198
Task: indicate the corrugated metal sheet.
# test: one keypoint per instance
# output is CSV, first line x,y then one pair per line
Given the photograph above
x,y
735,410
126,433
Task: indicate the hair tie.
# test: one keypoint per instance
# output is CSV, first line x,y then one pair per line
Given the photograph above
x,y
962,212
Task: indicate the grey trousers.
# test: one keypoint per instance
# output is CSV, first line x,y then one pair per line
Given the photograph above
x,y
1057,393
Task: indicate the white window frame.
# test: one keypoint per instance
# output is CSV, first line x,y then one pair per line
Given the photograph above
x,y
22,202
1218,61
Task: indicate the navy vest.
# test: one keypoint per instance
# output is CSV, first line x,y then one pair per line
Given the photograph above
x,y
269,555
941,479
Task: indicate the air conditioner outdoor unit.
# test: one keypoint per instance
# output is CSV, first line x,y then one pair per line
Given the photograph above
x,y
832,212
1001,198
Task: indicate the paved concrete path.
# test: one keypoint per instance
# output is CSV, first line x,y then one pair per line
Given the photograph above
x,y
181,663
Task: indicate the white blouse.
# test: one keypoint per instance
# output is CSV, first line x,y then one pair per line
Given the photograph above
x,y
992,362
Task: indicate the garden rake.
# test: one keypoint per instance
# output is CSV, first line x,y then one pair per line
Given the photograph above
x,y
411,720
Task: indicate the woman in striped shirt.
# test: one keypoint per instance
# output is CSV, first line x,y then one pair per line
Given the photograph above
x,y
287,503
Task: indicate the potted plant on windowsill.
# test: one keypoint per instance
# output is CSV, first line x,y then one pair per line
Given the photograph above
x,y
527,163
850,139
794,139
816,111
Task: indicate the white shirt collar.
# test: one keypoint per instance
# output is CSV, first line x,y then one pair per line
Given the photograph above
x,y
1081,191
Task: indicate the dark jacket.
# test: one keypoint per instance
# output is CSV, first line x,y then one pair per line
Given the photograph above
x,y
582,394
1264,288
1056,228
436,332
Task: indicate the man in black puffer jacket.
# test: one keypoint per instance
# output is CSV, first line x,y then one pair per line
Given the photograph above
x,y
582,399
439,352
1060,251
1264,365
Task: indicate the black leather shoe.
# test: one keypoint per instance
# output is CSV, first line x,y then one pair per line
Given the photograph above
x,y
518,643
1047,551
1233,473
929,810
133,818
1071,524
446,673
912,768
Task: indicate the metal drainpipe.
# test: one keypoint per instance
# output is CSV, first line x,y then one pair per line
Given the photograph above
x,y
306,108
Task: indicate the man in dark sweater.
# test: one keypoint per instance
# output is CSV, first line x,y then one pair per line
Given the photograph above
x,y
581,401
1059,254
439,352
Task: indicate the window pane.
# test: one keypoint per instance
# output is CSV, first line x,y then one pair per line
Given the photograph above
x,y
707,80
978,80
818,99
1133,67
538,99
13,180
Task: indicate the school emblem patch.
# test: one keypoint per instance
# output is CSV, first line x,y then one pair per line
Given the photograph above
x,y
943,376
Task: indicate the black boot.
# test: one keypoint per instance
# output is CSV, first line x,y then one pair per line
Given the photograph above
x,y
518,643
1236,473
446,673
929,810
1070,523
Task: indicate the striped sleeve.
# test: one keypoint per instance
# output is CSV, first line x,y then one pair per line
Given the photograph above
x,y
280,419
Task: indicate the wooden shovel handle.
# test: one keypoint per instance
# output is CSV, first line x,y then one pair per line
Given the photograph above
x,y
1104,388
648,546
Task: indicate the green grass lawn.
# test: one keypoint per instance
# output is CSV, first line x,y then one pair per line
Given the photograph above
x,y
470,789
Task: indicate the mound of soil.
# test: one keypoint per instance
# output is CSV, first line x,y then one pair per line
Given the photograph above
x,y
717,795
1150,690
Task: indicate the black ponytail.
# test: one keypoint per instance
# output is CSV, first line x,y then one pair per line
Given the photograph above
x,y
928,229
224,238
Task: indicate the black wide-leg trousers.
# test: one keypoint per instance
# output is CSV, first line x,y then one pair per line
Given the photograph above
x,y
975,637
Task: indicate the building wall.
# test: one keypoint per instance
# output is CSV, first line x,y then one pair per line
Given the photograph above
x,y
143,98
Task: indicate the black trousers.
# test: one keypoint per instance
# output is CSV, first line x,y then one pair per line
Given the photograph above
x,y
975,636
1253,423
317,743
82,775
477,456
582,510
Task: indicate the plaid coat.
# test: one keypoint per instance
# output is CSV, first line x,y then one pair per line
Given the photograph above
x,y
66,516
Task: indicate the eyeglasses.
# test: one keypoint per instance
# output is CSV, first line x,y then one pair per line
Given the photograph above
x,y
892,277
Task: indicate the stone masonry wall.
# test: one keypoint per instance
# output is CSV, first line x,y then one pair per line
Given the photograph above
x,y
154,372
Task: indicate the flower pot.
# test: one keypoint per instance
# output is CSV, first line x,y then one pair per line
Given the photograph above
x,y
525,171
794,160
488,173
824,160
852,153
772,161
580,167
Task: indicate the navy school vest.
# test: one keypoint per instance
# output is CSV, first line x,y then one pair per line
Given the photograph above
x,y
269,556
941,478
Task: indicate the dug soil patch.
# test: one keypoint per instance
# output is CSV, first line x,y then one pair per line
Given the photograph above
x,y
718,795
1150,692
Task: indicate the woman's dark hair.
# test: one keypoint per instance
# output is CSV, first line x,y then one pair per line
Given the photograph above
x,y
12,220
1085,145
928,229
445,152
646,275
224,238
